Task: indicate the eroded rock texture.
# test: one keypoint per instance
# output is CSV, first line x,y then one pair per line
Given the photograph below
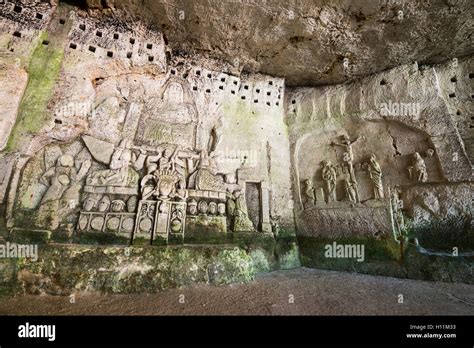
x,y
306,42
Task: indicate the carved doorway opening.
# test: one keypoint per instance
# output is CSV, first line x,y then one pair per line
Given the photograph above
x,y
257,198
253,199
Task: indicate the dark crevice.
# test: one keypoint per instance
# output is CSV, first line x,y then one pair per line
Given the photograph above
x,y
81,4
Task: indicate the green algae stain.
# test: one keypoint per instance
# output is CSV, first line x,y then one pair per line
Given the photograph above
x,y
43,72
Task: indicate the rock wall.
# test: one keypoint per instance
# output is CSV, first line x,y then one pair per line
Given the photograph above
x,y
109,114
110,135
414,119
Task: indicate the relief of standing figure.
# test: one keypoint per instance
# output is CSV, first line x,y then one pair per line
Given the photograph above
x,y
375,174
419,168
329,176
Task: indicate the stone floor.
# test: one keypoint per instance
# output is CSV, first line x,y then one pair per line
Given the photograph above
x,y
300,291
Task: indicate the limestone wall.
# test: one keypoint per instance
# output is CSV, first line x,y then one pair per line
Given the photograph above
x,y
89,87
95,82
395,114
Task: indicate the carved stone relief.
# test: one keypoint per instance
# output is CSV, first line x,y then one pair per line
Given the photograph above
x,y
375,174
140,192
417,171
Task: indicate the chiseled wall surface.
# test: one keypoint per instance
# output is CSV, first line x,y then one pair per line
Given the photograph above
x,y
395,114
93,82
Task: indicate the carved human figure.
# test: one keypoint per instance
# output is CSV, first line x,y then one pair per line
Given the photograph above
x,y
104,204
242,222
396,205
375,174
419,168
275,223
173,93
174,105
329,177
203,207
350,189
192,207
62,195
204,176
118,173
309,192
212,208
347,144
117,206
163,185
205,173
221,209
167,162
89,203
348,157
132,204
58,178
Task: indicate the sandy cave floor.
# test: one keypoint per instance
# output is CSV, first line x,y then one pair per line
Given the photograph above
x,y
315,292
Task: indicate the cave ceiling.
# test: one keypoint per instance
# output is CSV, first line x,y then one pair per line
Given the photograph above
x,y
307,42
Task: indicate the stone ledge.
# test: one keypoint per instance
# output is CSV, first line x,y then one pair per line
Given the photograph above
x,y
66,269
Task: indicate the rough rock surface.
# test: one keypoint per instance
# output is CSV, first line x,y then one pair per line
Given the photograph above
x,y
306,42
394,114
134,269
13,81
142,120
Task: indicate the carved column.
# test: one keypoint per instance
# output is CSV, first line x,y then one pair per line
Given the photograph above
x,y
265,207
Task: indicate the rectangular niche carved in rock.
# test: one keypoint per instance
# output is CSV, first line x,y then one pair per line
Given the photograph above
x,y
252,197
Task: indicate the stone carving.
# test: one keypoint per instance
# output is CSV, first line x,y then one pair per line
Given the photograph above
x,y
221,209
396,208
192,207
62,194
417,170
117,206
132,204
159,219
163,184
310,192
205,173
122,168
90,203
203,207
168,161
177,220
241,221
375,174
348,158
142,192
329,177
350,189
106,215
104,204
212,208
175,107
100,150
166,172
275,223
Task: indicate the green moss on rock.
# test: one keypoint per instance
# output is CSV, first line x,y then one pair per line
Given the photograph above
x,y
24,236
383,257
43,72
64,269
